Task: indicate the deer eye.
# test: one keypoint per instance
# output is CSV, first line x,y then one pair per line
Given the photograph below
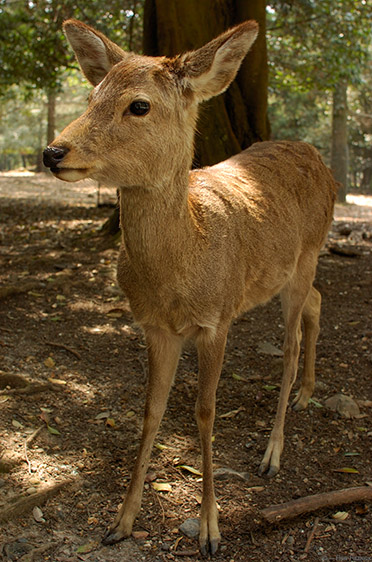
x,y
139,107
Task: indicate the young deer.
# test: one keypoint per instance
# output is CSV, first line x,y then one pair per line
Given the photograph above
x,y
198,247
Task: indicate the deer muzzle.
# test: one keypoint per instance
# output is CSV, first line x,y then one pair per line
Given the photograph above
x,y
53,156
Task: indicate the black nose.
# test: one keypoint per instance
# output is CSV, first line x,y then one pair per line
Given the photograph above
x,y
53,155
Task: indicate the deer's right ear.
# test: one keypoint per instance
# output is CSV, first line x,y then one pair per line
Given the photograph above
x,y
95,53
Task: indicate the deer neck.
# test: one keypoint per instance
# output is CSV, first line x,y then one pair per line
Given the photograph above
x,y
155,220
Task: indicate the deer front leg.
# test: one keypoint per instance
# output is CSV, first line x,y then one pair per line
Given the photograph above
x,y
163,354
210,353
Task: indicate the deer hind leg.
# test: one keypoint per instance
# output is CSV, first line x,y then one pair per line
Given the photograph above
x,y
294,296
310,316
163,354
210,354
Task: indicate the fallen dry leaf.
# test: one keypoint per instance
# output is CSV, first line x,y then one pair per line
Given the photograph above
x,y
232,413
49,362
38,515
115,313
56,381
190,469
340,515
161,486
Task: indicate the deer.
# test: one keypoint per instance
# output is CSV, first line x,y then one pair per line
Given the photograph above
x,y
199,247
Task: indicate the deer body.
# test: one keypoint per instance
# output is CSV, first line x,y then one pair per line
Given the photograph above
x,y
200,247
231,243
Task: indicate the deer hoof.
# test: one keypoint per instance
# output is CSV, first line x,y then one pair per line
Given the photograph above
x,y
112,537
300,402
209,547
268,471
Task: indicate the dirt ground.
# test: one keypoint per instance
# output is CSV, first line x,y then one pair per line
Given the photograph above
x,y
73,373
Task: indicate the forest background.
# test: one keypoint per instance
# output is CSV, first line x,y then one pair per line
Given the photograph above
x,y
314,82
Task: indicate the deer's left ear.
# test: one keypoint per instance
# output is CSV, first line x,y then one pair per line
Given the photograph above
x,y
211,69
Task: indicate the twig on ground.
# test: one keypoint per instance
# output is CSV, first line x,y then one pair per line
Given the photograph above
x,y
311,535
28,442
65,347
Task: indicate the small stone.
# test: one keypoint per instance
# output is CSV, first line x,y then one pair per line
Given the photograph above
x,y
2,482
343,405
34,481
31,490
269,349
225,473
140,535
190,528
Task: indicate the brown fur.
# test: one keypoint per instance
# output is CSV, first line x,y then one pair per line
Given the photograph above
x,y
200,247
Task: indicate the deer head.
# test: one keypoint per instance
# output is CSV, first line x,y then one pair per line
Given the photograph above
x,y
139,126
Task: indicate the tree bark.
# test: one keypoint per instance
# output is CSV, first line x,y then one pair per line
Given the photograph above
x,y
366,180
39,154
51,127
237,118
340,151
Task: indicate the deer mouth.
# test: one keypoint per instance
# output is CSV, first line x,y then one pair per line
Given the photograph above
x,y
70,174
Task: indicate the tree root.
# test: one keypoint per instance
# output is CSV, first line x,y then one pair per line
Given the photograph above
x,y
22,385
26,503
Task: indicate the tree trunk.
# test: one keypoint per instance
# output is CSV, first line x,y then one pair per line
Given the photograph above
x,y
41,140
51,127
340,151
366,181
237,118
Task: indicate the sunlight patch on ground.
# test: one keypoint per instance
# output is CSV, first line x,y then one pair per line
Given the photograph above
x,y
18,173
361,200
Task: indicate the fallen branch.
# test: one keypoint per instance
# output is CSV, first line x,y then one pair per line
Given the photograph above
x,y
347,250
35,554
276,513
63,346
32,388
10,290
13,380
26,503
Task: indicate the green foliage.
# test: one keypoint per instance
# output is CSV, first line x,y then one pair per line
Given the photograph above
x,y
314,45
24,122
33,49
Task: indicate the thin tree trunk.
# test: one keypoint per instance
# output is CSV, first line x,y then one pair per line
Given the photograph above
x,y
340,151
41,140
131,25
51,128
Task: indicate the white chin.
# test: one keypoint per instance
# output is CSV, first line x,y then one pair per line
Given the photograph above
x,y
72,174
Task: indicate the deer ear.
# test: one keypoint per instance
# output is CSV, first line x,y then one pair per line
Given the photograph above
x,y
95,53
211,69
